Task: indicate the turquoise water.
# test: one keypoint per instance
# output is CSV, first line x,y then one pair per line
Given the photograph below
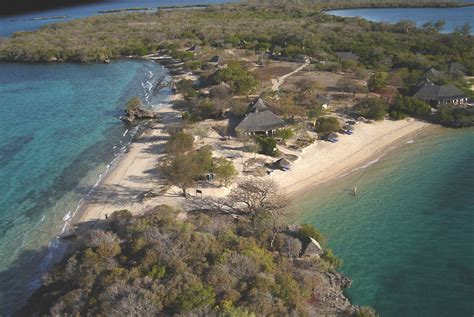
x,y
453,16
59,129
407,239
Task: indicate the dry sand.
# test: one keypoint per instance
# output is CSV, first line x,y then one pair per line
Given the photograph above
x,y
322,161
135,173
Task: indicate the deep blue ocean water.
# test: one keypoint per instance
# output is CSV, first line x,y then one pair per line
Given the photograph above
x,y
453,16
407,238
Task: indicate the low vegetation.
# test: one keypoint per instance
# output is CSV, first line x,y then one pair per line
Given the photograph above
x,y
326,125
371,108
253,26
206,265
404,106
455,117
240,80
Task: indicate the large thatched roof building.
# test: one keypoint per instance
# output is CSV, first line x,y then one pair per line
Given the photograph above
x,y
439,95
260,120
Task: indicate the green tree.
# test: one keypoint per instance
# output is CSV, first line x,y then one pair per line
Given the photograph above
x,y
225,171
326,125
308,230
371,108
404,106
316,112
180,143
196,296
285,134
239,79
186,87
377,81
203,158
268,145
181,170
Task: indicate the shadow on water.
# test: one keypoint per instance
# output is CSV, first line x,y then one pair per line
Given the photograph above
x,y
20,280
24,276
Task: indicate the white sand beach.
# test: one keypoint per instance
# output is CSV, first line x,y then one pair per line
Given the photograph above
x,y
320,162
324,161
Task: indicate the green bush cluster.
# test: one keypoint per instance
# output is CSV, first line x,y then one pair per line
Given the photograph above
x,y
157,265
455,117
326,125
267,145
404,106
371,108
240,80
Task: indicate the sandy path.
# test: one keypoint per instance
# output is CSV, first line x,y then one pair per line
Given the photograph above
x,y
276,83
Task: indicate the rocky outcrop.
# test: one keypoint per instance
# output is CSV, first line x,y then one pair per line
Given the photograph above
x,y
134,114
329,299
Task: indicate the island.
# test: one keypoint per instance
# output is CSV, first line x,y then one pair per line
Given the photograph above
x,y
269,100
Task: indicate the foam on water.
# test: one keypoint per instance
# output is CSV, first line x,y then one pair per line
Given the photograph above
x,y
64,160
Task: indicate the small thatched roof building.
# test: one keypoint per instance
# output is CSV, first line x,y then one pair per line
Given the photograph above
x,y
313,249
434,75
257,106
347,56
217,60
194,49
283,164
456,67
220,91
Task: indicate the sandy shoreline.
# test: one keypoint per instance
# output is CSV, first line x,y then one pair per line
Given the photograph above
x,y
323,162
136,172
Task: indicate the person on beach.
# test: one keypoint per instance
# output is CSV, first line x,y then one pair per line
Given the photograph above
x,y
355,190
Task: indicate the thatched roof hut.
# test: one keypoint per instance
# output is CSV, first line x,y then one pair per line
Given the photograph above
x,y
220,91
456,67
282,164
257,106
259,119
194,49
313,249
347,56
217,60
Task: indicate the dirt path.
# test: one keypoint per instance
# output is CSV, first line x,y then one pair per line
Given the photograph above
x,y
276,83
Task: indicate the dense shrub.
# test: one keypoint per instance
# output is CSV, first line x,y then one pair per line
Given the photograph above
x,y
285,134
240,80
268,145
404,106
377,81
455,117
371,108
155,264
326,125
